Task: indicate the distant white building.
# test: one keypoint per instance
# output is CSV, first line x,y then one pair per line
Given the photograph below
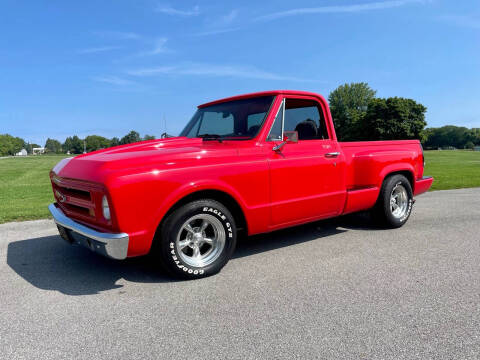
x,y
22,152
39,150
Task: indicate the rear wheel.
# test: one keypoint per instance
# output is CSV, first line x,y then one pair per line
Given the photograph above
x,y
197,239
394,204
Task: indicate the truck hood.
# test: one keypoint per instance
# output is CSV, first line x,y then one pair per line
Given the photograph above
x,y
144,156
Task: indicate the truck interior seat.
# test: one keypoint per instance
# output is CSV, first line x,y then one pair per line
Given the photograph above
x,y
307,130
252,130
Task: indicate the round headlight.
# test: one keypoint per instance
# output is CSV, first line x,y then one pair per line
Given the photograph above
x,y
105,208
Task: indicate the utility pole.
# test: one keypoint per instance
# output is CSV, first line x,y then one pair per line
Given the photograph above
x,y
84,147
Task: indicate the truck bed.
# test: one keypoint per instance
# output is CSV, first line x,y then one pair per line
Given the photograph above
x,y
367,163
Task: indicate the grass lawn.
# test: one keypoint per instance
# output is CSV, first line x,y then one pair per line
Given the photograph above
x,y
453,169
25,189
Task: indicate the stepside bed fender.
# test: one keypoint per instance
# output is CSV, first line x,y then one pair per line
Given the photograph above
x,y
398,168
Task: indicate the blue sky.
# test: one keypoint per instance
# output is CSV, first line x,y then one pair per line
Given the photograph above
x,y
106,67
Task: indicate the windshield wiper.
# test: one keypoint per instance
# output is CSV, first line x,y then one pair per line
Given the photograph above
x,y
209,137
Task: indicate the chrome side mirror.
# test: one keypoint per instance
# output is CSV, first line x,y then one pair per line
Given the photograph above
x,y
288,137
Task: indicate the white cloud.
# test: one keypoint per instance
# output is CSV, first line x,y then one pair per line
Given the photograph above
x,y
159,46
113,80
98,49
159,70
228,18
220,24
196,69
119,35
339,9
165,9
216,31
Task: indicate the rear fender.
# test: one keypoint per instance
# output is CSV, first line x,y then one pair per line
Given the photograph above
x,y
398,168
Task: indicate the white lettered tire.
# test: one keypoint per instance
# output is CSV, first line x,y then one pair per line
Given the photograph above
x,y
395,202
197,239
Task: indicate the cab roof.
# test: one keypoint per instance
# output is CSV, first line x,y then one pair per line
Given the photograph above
x,y
262,93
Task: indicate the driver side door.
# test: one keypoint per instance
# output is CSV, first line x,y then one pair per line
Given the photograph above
x,y
306,178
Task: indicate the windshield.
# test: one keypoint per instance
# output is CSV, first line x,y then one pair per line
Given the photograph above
x,y
232,120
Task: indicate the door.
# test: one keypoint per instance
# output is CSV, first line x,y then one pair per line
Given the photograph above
x,y
306,178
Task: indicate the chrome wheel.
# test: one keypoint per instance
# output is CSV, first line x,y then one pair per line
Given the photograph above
x,y
399,201
200,240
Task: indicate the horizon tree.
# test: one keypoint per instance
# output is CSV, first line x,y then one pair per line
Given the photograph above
x,y
348,106
131,137
73,144
53,146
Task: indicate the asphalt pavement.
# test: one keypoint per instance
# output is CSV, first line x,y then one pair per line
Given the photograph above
x,y
336,289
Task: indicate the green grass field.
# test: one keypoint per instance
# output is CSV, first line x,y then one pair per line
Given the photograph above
x,y
25,190
453,169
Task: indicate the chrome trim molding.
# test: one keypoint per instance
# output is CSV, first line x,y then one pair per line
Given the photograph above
x,y
115,245
282,107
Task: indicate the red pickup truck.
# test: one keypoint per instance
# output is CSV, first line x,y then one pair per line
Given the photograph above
x,y
251,163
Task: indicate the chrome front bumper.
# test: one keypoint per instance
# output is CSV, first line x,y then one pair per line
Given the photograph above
x,y
114,246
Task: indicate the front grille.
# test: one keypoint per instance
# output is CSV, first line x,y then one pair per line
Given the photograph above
x,y
73,199
79,209
82,201
76,193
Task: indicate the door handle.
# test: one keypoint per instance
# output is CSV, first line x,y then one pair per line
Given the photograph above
x,y
332,154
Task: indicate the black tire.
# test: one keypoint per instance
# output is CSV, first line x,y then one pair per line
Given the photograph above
x,y
173,233
383,212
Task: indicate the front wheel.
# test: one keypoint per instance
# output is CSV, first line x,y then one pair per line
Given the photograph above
x,y
395,202
197,239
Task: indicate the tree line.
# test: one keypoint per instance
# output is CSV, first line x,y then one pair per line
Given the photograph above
x,y
357,112
359,115
75,145
449,135
10,145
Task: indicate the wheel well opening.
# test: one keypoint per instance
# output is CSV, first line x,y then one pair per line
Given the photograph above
x,y
228,201
405,173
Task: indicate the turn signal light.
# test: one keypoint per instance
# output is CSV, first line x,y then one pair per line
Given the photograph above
x,y
105,208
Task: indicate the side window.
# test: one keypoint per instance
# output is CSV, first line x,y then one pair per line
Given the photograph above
x,y
216,123
305,117
276,130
